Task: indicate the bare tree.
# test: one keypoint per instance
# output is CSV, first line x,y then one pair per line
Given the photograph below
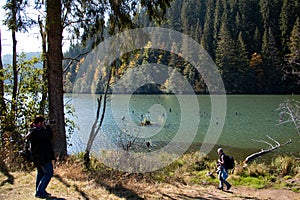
x,y
98,121
290,113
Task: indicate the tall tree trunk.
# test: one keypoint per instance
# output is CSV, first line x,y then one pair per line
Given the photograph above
x,y
2,102
14,59
55,76
44,58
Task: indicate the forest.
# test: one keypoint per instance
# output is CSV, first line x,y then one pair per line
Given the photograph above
x,y
255,45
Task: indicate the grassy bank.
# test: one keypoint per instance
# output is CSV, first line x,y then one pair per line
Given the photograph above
x,y
193,169
73,181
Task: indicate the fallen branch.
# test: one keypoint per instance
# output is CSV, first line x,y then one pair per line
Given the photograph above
x,y
264,151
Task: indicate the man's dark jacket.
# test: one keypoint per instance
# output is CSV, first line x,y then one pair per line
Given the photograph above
x,y
41,145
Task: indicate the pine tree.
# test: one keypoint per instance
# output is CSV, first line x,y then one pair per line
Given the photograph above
x,y
174,16
287,17
246,78
192,22
207,39
226,58
272,63
219,9
292,70
190,74
173,57
251,24
257,41
186,18
294,45
197,33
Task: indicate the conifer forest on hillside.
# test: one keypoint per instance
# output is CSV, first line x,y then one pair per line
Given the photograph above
x,y
254,43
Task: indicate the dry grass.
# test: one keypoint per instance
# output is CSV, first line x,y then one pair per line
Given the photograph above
x,y
183,179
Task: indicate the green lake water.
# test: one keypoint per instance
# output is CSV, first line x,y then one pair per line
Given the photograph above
x,y
247,117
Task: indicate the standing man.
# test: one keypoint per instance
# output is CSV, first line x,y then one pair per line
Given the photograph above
x,y
222,170
40,136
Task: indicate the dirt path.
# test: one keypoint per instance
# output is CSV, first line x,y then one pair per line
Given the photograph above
x,y
211,193
21,186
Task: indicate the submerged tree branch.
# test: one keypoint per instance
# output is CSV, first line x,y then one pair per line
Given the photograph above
x,y
264,151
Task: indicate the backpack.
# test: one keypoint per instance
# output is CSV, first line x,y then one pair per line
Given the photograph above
x,y
229,162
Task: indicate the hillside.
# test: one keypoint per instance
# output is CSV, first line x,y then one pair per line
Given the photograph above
x,y
253,43
7,58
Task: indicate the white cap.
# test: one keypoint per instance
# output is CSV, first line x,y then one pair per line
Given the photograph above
x,y
220,150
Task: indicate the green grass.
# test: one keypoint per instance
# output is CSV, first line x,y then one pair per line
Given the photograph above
x,y
253,182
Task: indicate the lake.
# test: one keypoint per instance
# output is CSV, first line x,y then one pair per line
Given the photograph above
x,y
248,118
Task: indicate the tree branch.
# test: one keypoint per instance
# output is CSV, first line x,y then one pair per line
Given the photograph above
x,y
72,60
264,151
262,141
290,112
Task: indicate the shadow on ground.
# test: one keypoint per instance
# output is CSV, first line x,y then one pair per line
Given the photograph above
x,y
119,190
4,170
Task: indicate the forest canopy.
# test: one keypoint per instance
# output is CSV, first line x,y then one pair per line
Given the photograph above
x,y
255,45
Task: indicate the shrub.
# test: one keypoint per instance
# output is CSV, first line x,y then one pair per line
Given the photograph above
x,y
285,165
258,170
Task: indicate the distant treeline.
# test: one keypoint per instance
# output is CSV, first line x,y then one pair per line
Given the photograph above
x,y
254,43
